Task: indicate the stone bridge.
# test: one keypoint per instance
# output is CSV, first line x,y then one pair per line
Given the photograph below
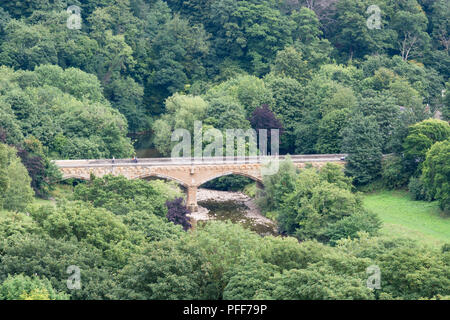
x,y
189,173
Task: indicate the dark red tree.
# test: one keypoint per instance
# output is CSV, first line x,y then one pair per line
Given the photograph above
x,y
36,169
264,118
178,212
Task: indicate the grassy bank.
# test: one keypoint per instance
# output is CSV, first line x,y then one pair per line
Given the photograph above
x,y
402,216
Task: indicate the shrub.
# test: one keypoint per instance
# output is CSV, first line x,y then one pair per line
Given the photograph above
x,y
436,174
393,173
417,189
177,213
350,227
20,287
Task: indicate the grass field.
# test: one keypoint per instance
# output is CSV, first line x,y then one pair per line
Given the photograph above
x,y
404,217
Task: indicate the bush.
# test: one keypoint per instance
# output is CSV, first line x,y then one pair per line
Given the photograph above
x,y
436,174
20,287
177,213
15,183
417,189
393,173
350,227
251,190
122,196
278,185
318,209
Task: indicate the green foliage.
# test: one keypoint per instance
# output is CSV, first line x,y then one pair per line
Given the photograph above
x,y
22,287
226,245
276,186
179,49
417,189
421,137
43,173
165,270
182,111
224,112
122,196
17,223
393,172
363,142
383,109
65,113
228,183
16,192
322,207
329,137
446,106
26,46
286,286
39,254
408,270
154,228
349,227
94,226
288,95
249,29
289,63
246,281
436,173
127,96
333,173
249,91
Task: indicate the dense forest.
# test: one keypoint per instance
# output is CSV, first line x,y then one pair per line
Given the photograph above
x,y
85,79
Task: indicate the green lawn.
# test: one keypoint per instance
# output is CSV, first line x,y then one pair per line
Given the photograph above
x,y
404,217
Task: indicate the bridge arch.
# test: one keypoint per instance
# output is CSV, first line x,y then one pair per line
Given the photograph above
x,y
163,176
229,173
75,176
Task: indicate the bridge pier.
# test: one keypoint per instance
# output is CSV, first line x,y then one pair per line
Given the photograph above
x,y
191,201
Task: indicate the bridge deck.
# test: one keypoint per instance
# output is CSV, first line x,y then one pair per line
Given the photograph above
x,y
196,161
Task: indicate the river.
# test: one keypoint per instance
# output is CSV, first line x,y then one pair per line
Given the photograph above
x,y
232,206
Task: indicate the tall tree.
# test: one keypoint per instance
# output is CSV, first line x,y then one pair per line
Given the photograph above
x,y
363,143
436,173
15,183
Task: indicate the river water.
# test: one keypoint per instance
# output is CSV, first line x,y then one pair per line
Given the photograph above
x,y
232,206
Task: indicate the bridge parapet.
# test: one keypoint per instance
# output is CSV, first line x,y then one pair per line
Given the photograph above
x,y
197,161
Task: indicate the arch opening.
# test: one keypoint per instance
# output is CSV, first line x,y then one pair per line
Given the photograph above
x,y
230,181
232,175
155,176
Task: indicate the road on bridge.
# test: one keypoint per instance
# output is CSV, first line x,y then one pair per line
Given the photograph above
x,y
197,161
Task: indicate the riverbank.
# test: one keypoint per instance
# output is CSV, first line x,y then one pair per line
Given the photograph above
x,y
234,206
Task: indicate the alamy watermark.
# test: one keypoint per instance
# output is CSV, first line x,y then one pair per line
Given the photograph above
x,y
240,145
374,279
374,21
74,20
74,280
